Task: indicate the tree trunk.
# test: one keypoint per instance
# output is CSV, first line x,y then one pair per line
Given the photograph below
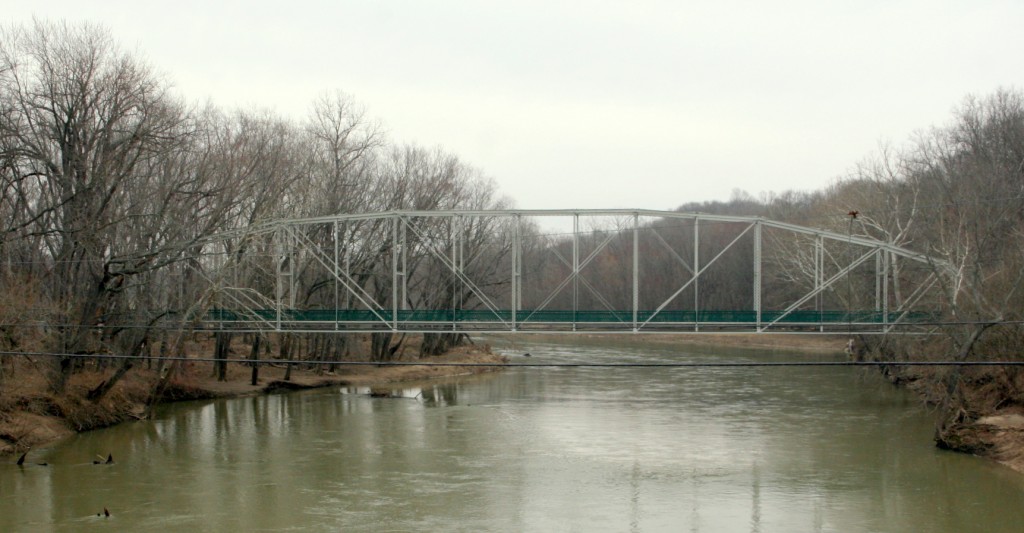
x,y
254,356
286,353
379,343
440,343
222,351
103,388
162,354
165,377
953,401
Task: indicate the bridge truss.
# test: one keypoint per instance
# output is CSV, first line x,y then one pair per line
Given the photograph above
x,y
593,271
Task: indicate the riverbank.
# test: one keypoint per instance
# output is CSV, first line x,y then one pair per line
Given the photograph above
x,y
774,342
987,419
819,344
31,417
998,436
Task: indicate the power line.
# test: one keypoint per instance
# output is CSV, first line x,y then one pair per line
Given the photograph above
x,y
683,364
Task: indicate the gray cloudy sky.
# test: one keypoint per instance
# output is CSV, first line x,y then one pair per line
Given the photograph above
x,y
593,104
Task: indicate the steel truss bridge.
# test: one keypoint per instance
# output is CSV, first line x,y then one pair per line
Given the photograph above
x,y
556,271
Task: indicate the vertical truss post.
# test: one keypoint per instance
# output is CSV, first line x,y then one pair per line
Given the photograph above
x,y
696,270
219,282
516,269
293,253
404,251
225,271
395,255
455,228
335,238
462,260
886,260
229,254
575,266
279,276
636,268
757,273
819,266
181,286
519,267
878,281
348,271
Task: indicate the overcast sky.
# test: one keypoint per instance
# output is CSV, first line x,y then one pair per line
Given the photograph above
x,y
593,104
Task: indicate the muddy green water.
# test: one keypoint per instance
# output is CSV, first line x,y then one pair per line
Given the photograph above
x,y
709,449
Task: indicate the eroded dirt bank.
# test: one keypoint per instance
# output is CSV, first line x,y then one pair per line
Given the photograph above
x,y
987,417
31,417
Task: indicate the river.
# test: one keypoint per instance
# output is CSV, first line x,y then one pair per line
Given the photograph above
x,y
532,449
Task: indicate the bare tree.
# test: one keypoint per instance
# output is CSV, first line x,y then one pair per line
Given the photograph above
x,y
83,119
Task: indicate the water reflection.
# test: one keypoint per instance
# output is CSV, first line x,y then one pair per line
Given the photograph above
x,y
431,394
531,450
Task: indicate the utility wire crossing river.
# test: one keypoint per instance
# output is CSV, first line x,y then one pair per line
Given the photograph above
x,y
611,364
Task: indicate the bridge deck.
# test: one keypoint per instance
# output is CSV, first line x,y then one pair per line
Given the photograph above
x,y
478,320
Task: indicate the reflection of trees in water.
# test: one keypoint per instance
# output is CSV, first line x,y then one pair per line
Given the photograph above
x,y
441,394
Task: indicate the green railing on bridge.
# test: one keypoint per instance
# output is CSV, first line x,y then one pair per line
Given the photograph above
x,y
557,316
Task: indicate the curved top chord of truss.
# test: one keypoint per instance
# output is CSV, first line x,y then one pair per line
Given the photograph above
x,y
274,225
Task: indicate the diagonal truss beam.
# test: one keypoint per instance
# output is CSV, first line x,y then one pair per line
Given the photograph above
x,y
671,250
447,261
246,299
590,287
817,290
697,275
341,277
573,275
912,300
